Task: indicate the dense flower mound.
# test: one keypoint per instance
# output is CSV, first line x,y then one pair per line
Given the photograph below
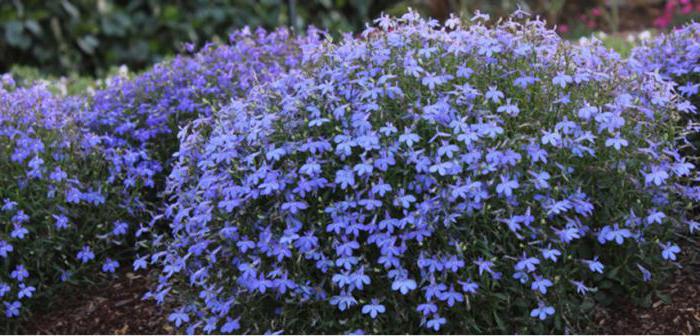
x,y
426,178
59,217
676,57
139,117
80,174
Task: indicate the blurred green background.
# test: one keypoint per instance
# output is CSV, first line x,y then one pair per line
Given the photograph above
x,y
91,37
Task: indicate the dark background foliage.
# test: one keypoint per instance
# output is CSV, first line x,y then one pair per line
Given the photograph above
x,y
88,37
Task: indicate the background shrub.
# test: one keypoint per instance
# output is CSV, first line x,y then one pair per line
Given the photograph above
x,y
421,177
90,37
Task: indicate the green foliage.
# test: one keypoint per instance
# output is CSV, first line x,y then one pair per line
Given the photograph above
x,y
73,84
90,36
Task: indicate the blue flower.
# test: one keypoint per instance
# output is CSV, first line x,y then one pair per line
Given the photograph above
x,y
655,217
140,263
427,308
19,232
541,284
5,248
562,79
409,138
494,95
669,250
614,234
20,273
179,317
580,287
451,296
542,311
8,205
61,222
522,277
344,301
120,228
616,142
230,326
509,108
110,265
436,322
345,178
85,254
657,176
646,275
507,186
528,264
550,253
25,291
373,309
403,285
595,265
567,235
12,308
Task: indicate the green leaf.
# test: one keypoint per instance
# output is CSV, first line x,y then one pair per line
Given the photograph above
x,y
16,36
88,44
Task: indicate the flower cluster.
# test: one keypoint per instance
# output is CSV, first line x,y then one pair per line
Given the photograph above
x,y
458,177
139,118
676,57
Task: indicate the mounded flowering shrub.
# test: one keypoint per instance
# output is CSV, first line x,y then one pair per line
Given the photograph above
x,y
80,180
676,57
426,178
60,219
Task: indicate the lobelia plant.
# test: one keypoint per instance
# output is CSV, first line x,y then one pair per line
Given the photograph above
x,y
426,178
83,173
60,219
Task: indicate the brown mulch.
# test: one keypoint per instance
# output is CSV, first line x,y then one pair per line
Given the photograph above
x,y
679,316
113,307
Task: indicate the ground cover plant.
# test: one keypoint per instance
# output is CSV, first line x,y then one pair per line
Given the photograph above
x,y
427,178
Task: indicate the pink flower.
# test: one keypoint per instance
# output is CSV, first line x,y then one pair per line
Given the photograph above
x,y
563,28
662,21
687,8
